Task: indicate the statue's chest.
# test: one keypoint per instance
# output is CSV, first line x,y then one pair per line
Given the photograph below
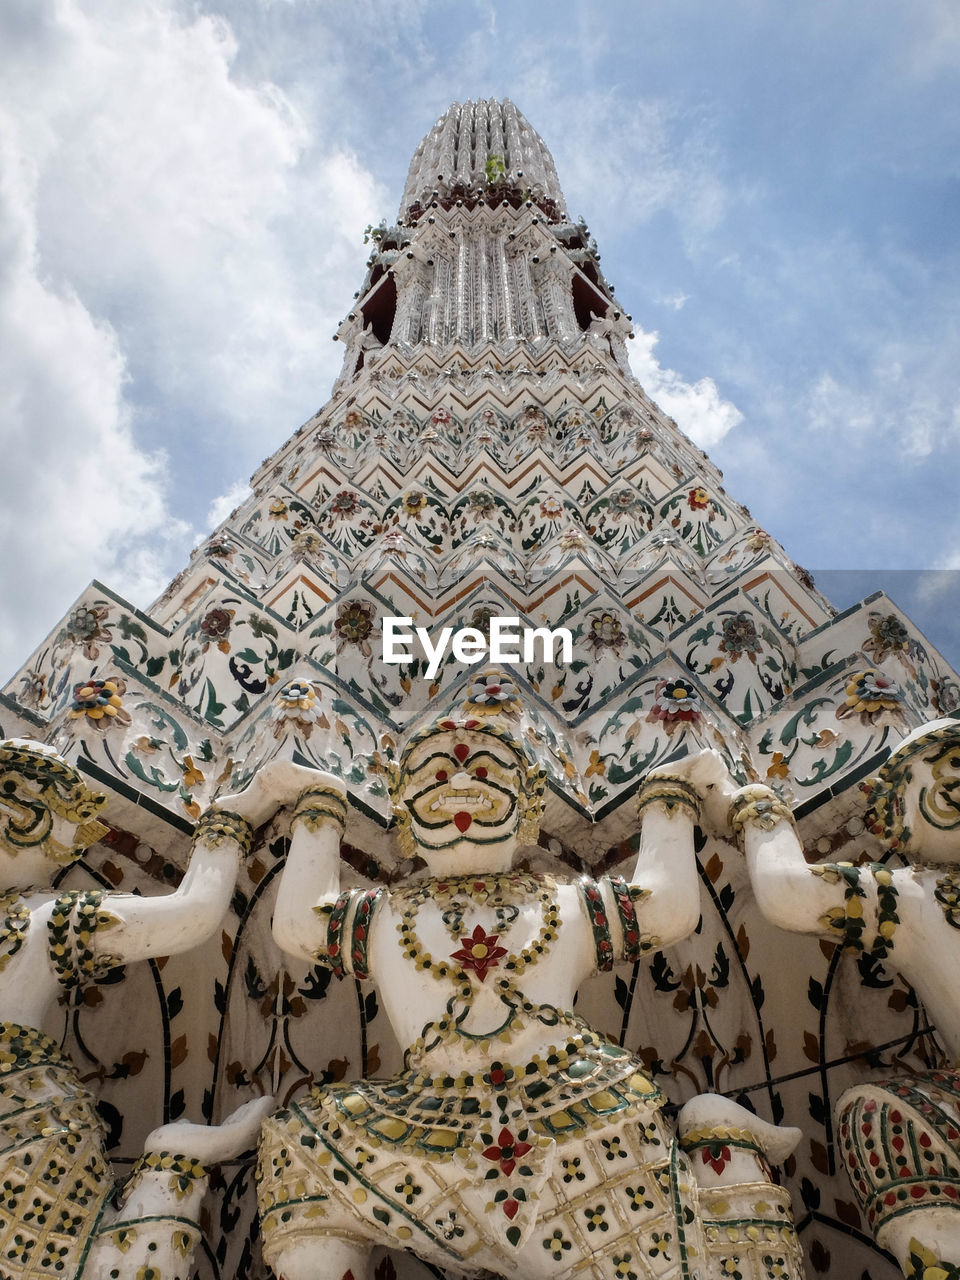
x,y
484,943
477,932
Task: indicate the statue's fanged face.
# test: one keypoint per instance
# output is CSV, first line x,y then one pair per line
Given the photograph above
x,y
916,798
461,788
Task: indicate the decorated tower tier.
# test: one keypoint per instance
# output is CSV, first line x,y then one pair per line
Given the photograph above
x,y
486,454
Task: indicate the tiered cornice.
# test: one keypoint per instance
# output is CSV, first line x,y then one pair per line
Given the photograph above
x,y
494,270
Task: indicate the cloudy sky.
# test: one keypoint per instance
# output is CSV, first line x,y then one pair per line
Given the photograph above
x,y
775,189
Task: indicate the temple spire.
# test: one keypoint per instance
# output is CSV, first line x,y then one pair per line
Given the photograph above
x,y
475,143
483,254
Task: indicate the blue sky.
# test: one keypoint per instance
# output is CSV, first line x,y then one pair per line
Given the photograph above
x,y
775,189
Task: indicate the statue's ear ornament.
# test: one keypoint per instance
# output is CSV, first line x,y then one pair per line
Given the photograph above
x,y
908,816
531,803
47,804
394,776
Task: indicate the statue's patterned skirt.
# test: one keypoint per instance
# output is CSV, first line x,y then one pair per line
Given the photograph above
x,y
54,1178
558,1166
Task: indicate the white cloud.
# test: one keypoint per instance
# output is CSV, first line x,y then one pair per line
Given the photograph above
x,y
942,585
74,486
909,412
636,154
176,248
190,207
700,410
936,39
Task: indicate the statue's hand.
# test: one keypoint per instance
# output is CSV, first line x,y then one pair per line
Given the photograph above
x,y
759,805
709,776
214,1142
276,784
319,779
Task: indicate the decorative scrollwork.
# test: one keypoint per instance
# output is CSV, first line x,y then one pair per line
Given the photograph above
x,y
937,804
41,797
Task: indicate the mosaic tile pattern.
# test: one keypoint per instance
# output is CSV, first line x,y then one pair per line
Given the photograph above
x,y
476,460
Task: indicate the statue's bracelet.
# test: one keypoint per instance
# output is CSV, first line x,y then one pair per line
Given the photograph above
x,y
759,806
217,825
319,803
675,793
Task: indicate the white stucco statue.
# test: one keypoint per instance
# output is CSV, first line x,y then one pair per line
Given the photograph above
x,y
516,1140
57,1215
900,1139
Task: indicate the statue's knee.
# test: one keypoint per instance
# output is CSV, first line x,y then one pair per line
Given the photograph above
x,y
898,1141
321,1258
728,1145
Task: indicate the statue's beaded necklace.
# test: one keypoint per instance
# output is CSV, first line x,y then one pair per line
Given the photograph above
x,y
502,893
479,952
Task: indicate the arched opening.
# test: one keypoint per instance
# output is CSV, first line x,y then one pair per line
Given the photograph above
x,y
380,307
588,301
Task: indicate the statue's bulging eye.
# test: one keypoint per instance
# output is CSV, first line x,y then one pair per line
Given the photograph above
x,y
480,771
441,775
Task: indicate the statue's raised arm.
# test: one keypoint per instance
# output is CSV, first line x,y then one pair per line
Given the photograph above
x,y
52,1150
672,801
832,900
310,885
899,1137
167,924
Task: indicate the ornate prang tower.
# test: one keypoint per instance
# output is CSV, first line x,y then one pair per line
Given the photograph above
x,y
486,451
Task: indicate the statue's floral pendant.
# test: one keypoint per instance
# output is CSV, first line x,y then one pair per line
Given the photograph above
x,y
479,952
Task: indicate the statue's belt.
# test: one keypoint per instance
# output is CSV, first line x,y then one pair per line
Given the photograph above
x,y
582,1085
